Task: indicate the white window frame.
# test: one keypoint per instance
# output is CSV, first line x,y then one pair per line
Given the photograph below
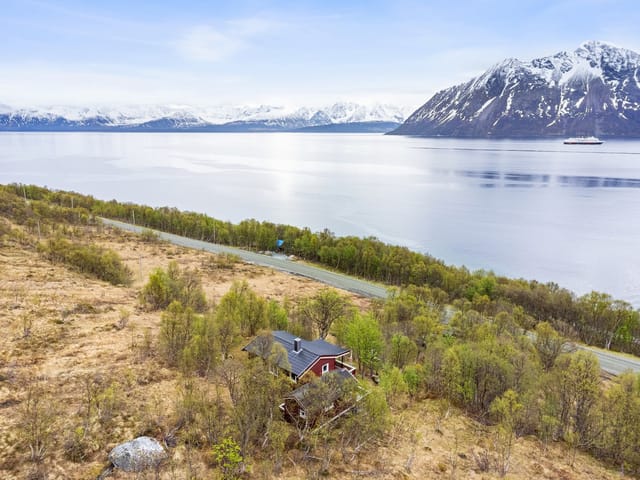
x,y
325,368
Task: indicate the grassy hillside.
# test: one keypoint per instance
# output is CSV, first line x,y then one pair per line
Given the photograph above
x,y
83,367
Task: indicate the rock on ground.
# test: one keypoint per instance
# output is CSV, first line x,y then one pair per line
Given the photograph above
x,y
138,454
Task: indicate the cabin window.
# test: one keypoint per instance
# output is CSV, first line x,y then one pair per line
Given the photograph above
x,y
325,368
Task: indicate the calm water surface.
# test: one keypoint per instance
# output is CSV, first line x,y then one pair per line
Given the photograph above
x,y
532,209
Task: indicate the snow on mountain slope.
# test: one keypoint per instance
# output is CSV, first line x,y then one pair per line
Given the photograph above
x,y
189,117
593,90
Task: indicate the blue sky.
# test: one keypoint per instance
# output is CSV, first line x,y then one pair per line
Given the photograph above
x,y
72,52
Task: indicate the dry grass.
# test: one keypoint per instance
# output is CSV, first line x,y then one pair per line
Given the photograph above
x,y
85,349
431,442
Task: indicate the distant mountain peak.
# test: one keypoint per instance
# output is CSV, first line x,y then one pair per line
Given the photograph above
x,y
595,46
593,90
186,117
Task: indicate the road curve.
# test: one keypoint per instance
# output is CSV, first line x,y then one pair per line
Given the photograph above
x,y
610,362
337,280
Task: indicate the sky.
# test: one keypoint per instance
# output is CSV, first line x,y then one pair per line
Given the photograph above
x,y
291,53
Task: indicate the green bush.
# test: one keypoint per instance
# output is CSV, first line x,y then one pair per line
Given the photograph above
x,y
173,284
175,331
98,262
227,455
150,236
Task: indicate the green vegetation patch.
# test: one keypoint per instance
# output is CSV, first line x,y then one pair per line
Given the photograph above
x,y
173,284
95,261
595,318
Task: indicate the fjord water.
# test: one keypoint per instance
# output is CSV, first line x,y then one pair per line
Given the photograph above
x,y
535,209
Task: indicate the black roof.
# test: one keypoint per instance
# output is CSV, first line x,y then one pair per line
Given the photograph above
x,y
310,351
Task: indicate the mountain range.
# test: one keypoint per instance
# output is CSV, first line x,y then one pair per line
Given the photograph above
x,y
594,90
344,116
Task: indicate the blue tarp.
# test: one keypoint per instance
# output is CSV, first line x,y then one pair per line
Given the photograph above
x,y
279,243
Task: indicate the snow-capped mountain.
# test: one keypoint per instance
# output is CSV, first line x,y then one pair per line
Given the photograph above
x,y
190,118
594,90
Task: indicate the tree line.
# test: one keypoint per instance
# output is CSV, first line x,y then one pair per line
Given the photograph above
x,y
595,318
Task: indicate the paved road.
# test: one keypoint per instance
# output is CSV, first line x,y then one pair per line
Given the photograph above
x,y
337,280
610,362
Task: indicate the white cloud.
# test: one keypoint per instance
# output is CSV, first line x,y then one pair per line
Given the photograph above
x,y
249,27
204,43
28,84
41,84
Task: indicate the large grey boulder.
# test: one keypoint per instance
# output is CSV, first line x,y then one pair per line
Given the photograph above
x,y
138,454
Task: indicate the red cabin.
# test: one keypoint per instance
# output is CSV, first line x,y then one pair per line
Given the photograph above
x,y
317,356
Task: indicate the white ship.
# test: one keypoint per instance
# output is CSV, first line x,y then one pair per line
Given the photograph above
x,y
583,141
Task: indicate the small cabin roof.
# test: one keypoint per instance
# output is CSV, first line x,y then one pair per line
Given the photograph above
x,y
308,354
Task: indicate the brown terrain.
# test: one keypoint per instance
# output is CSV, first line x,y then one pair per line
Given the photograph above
x,y
75,342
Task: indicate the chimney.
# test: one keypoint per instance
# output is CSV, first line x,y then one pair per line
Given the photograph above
x,y
297,345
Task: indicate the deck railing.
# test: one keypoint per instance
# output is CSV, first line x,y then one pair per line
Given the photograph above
x,y
350,368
